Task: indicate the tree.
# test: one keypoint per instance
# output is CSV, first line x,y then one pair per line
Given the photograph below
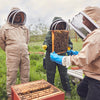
x,y
38,28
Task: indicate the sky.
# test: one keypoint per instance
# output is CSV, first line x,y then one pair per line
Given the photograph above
x,y
45,10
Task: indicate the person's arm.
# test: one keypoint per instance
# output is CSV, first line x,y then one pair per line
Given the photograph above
x,y
87,55
2,39
84,57
27,36
56,58
48,41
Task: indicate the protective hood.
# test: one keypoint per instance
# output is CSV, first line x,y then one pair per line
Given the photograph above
x,y
93,13
12,16
58,21
86,21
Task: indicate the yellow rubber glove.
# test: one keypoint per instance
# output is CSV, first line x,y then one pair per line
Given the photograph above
x,y
69,48
44,47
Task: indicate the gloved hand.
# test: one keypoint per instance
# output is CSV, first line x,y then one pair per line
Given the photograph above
x,y
44,47
56,58
71,52
69,48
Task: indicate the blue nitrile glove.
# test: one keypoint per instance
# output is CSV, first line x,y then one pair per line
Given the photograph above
x,y
71,52
56,58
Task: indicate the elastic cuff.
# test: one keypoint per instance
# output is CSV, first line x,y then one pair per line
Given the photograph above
x,y
66,61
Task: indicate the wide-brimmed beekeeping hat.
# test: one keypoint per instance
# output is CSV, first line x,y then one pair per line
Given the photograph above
x,y
11,17
56,21
86,21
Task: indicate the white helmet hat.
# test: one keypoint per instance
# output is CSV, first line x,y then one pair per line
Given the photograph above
x,y
13,13
77,23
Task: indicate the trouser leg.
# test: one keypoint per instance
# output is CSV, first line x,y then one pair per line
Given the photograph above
x,y
24,69
11,76
12,63
82,88
82,98
64,78
50,71
50,77
24,75
11,80
93,89
89,88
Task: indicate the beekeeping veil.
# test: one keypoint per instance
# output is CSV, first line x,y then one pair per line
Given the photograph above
x,y
12,16
58,21
86,21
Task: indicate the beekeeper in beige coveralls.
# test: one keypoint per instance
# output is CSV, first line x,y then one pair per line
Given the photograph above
x,y
87,26
14,37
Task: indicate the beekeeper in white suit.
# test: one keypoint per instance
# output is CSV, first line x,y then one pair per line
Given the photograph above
x,y
14,37
86,24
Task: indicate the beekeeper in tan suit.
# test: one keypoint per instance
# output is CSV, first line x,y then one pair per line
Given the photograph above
x,y
14,37
86,24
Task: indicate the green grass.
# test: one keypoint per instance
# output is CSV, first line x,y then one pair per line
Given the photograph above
x,y
36,69
2,75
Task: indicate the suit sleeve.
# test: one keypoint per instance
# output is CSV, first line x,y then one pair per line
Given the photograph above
x,y
87,55
28,36
48,41
2,39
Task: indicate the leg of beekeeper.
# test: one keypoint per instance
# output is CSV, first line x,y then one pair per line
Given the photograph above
x,y
93,89
82,89
50,69
82,98
12,62
89,89
64,78
24,66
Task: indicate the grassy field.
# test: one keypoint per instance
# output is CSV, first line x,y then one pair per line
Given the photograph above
x,y
37,72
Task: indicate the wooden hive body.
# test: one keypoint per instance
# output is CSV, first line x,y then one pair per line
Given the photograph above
x,y
37,90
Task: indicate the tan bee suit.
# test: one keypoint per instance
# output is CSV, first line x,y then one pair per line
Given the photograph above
x,y
89,57
14,41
